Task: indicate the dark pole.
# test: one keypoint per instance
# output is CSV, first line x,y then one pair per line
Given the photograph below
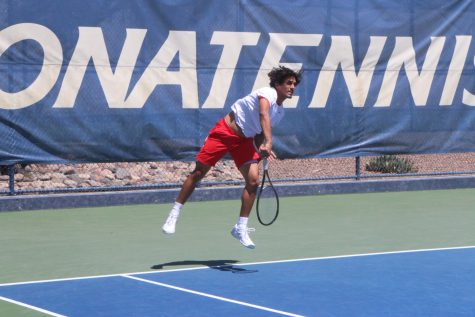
x,y
11,181
357,167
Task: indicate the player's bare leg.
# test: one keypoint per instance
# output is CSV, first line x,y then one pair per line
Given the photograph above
x,y
187,189
240,231
190,183
250,172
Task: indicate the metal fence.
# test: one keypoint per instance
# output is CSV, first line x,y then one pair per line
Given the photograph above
x,y
91,177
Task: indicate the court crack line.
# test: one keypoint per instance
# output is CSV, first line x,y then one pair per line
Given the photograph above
x,y
212,296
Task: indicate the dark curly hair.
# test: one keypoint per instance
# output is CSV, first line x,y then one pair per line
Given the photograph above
x,y
278,75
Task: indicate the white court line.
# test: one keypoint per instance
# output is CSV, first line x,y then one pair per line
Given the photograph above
x,y
31,307
213,296
354,255
240,264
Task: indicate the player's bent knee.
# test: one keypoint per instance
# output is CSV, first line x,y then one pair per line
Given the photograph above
x,y
197,175
252,184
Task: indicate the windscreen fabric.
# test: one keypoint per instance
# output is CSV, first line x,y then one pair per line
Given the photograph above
x,y
98,81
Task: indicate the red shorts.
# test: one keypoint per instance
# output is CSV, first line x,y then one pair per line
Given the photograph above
x,y
222,140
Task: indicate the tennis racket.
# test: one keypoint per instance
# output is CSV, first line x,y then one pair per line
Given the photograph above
x,y
267,206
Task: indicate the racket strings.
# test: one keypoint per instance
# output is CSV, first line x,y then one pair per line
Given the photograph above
x,y
267,205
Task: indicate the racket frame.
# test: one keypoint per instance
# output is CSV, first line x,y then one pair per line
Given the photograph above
x,y
265,176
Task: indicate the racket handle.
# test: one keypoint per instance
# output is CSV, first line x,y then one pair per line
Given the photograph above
x,y
266,164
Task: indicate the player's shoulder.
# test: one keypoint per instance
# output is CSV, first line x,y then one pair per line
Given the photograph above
x,y
267,92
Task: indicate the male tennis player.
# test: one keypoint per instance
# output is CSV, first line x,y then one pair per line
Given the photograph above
x,y
252,116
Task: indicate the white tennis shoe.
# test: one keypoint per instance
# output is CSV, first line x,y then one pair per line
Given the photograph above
x,y
242,234
169,225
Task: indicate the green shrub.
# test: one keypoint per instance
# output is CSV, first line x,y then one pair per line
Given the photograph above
x,y
391,164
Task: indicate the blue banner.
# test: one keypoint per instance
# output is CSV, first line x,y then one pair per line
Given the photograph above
x,y
99,81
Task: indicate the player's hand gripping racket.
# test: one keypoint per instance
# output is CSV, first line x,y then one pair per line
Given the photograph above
x,y
267,206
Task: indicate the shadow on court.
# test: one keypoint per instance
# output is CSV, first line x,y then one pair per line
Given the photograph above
x,y
220,265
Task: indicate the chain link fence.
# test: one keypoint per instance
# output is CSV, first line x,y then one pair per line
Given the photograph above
x,y
51,178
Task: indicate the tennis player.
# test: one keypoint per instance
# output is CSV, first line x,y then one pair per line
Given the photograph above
x,y
251,117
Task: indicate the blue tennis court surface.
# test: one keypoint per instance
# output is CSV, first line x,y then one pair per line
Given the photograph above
x,y
437,282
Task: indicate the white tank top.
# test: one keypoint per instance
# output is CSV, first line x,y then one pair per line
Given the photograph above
x,y
246,111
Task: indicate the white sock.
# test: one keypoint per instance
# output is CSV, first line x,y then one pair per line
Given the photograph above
x,y
242,222
176,208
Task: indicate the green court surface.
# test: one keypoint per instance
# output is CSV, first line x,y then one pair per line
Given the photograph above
x,y
51,244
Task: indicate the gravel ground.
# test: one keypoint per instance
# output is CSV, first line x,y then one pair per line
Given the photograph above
x,y
58,176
